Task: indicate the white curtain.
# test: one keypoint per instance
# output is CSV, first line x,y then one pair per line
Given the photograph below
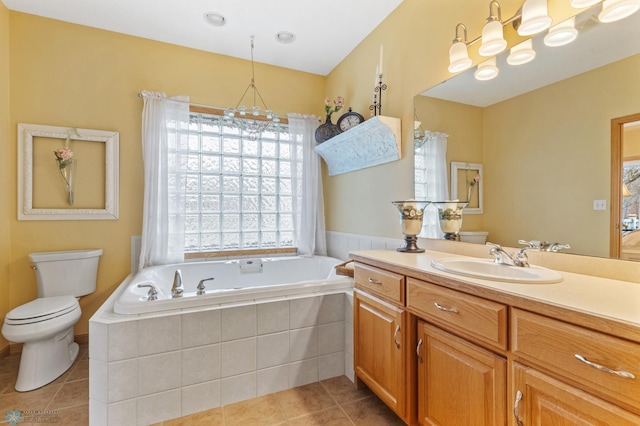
x,y
434,153
308,197
165,125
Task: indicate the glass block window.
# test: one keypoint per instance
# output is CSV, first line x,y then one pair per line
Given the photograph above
x,y
239,189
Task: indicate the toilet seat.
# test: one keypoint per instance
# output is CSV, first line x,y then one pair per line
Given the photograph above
x,y
42,309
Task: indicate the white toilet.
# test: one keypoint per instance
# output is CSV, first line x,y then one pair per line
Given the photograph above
x,y
45,325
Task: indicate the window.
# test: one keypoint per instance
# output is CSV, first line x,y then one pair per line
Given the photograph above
x,y
239,191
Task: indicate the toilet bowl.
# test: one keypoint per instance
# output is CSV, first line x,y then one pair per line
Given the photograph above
x,y
478,237
45,325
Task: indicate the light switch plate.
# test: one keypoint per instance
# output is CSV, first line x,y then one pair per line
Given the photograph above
x,y
599,204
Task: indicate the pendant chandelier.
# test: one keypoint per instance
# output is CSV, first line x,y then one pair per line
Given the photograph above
x,y
249,120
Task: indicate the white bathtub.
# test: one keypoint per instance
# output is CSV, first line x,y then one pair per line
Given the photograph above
x,y
235,281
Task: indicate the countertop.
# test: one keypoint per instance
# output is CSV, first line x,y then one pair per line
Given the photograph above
x,y
602,304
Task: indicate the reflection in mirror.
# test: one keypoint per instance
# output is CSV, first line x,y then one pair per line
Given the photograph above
x,y
543,134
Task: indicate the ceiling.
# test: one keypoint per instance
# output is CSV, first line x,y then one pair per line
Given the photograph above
x,y
597,45
326,31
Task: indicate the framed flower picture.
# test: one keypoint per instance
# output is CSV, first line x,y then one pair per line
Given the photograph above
x,y
466,185
67,173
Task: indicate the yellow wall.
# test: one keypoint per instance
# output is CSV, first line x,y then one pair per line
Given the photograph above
x,y
70,75
6,163
416,39
547,158
464,125
631,142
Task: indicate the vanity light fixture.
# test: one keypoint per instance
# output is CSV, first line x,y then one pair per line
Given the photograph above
x,y
581,4
458,55
535,17
493,41
487,70
615,10
521,53
562,34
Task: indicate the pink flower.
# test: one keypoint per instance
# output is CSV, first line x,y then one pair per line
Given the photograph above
x,y
337,102
64,154
476,179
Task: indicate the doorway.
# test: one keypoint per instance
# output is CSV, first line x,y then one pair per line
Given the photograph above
x,y
625,188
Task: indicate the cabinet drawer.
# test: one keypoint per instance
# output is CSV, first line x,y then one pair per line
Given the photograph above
x,y
557,346
477,318
385,284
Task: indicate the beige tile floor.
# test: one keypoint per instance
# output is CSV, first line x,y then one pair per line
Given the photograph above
x,y
65,401
332,402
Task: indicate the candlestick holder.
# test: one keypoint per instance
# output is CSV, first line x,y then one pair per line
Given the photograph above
x,y
376,107
411,214
450,217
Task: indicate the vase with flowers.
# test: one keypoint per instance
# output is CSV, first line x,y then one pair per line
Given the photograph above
x,y
327,130
67,165
471,183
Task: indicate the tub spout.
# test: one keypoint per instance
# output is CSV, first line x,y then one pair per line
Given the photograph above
x,y
177,288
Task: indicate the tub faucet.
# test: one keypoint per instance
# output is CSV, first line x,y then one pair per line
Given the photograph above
x,y
177,288
500,256
201,287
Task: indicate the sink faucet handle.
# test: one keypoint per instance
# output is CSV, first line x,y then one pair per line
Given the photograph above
x,y
558,246
152,294
530,244
201,287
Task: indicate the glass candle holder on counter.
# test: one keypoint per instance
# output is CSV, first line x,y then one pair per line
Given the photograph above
x,y
450,217
411,214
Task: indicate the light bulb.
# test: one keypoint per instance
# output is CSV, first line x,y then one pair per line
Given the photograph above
x,y
535,17
521,53
615,10
561,34
458,57
487,70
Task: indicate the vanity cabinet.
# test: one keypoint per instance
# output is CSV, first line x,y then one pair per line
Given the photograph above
x,y
380,335
444,351
567,374
459,383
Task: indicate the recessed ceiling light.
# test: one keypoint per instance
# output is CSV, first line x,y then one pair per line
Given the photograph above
x,y
215,19
285,37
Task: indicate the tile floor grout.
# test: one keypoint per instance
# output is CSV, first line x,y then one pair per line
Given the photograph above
x,y
333,401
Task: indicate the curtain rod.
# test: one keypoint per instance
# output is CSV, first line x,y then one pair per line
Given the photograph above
x,y
141,95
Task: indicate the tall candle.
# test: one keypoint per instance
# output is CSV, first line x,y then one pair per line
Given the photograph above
x,y
375,79
380,62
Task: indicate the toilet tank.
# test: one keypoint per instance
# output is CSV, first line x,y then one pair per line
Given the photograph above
x,y
66,273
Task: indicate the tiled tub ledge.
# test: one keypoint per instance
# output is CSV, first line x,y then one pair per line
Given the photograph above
x,y
150,368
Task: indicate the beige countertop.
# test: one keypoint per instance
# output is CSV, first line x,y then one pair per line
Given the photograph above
x,y
603,304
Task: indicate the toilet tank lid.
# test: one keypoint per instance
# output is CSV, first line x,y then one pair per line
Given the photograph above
x,y
52,256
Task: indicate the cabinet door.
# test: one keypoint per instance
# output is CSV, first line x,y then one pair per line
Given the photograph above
x,y
378,349
459,383
541,400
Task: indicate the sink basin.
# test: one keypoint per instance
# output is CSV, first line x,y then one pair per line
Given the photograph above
x,y
488,270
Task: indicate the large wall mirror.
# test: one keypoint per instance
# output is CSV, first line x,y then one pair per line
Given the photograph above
x,y
543,132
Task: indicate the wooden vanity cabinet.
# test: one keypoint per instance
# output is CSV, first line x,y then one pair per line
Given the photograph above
x,y
440,356
381,336
459,383
568,374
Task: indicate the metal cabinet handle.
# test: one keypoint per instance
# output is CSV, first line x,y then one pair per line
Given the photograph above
x,y
395,336
418,351
620,373
374,281
444,308
515,408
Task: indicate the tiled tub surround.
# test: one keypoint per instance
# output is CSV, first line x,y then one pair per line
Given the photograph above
x,y
153,367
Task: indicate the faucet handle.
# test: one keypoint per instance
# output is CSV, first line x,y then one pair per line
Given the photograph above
x,y
530,244
152,294
558,246
201,287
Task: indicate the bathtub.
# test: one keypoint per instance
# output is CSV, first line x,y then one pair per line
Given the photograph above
x,y
234,281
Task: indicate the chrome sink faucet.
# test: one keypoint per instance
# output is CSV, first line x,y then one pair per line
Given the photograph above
x,y
177,288
500,256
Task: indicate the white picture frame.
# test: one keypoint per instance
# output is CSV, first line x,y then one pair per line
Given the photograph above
x,y
26,135
461,174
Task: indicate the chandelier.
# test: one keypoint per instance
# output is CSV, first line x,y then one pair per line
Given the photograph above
x,y
249,120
